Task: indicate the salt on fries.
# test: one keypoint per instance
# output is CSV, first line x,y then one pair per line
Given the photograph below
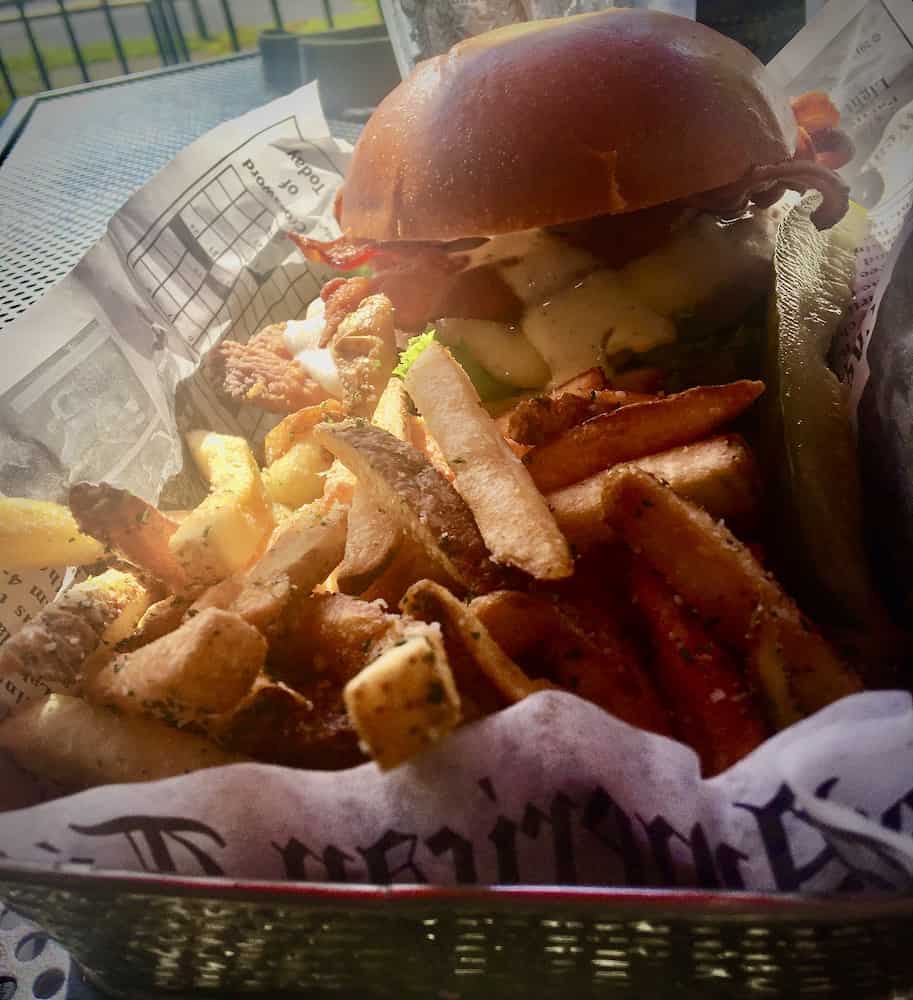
x,y
250,626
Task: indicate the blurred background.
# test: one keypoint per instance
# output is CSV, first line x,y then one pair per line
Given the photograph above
x,y
46,44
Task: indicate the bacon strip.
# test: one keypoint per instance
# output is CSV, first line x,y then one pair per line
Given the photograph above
x,y
763,185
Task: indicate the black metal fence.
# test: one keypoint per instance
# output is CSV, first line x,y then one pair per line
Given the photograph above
x,y
170,23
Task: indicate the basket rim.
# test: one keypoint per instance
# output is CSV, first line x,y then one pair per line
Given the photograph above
x,y
670,903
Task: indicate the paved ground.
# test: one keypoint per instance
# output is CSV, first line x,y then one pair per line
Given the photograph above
x,y
134,22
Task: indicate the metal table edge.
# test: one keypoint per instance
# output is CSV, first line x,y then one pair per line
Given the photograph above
x,y
16,118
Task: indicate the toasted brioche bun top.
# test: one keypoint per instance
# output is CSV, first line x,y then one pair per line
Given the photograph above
x,y
552,121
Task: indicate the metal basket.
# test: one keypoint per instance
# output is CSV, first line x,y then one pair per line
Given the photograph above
x,y
138,935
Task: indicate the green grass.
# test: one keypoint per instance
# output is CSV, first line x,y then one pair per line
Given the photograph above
x,y
27,81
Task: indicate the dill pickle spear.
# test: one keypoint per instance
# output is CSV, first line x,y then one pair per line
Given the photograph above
x,y
807,445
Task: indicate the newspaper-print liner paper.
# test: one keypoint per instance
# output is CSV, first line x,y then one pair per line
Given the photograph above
x,y
103,377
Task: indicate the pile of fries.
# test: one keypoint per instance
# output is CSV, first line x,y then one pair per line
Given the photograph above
x,y
380,582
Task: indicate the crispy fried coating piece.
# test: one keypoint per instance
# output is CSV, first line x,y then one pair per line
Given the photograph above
x,y
264,372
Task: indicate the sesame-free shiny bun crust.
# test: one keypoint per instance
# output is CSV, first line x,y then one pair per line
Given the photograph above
x,y
553,121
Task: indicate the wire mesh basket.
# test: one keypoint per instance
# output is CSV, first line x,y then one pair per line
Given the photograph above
x,y
139,935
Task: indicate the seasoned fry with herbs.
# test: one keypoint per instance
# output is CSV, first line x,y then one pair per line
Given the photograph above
x,y
130,526
232,525
203,668
721,579
637,430
406,700
425,505
94,614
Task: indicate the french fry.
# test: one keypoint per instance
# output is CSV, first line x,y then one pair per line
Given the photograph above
x,y
465,634
77,745
534,421
371,544
36,533
279,725
302,554
713,709
422,439
410,563
231,526
719,474
373,538
638,430
158,619
422,502
203,668
295,462
719,577
393,410
769,672
489,477
330,636
603,669
406,700
297,427
297,477
131,526
54,646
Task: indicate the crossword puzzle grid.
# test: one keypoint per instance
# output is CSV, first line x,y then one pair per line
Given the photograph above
x,y
197,268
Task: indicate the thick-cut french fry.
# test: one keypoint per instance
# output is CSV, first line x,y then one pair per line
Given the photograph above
x,y
406,700
719,474
410,563
512,515
373,537
720,578
158,619
297,427
769,671
602,668
422,439
534,421
130,525
303,553
305,549
423,503
297,477
430,602
231,526
371,544
36,533
713,710
295,462
330,636
77,745
637,430
277,724
203,668
54,647
394,410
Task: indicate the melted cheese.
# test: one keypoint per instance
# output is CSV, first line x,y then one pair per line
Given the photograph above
x,y
302,337
578,327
